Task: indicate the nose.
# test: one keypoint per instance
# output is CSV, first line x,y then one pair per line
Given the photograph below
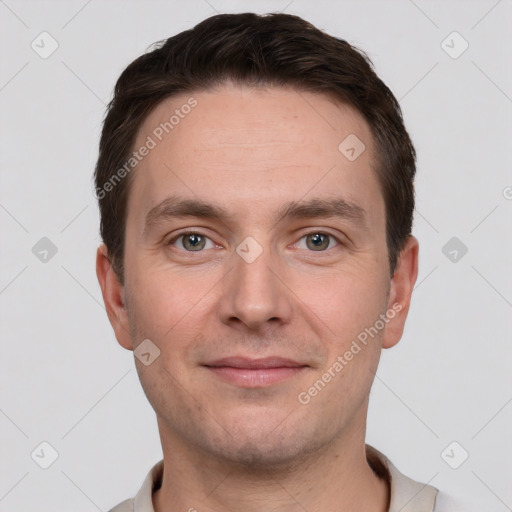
x,y
254,295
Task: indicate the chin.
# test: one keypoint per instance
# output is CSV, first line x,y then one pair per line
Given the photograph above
x,y
266,449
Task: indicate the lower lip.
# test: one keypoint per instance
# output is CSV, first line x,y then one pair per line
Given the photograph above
x,y
256,377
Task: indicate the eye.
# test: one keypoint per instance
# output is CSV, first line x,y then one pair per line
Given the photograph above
x,y
191,241
318,241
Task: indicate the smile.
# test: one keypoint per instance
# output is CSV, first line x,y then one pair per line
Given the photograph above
x,y
253,373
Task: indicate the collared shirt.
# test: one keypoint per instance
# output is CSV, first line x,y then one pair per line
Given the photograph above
x,y
407,495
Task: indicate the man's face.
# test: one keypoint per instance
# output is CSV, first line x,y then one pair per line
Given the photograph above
x,y
256,284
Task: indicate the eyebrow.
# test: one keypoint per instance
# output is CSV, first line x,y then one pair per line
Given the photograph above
x,y
175,206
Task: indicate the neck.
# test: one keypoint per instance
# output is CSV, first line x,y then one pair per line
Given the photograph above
x,y
338,479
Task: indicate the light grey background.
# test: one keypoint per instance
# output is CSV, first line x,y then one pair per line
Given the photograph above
x,y
65,380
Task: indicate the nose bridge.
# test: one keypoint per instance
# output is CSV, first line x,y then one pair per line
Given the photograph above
x,y
253,294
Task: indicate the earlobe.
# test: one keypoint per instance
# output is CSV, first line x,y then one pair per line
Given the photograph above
x,y
402,284
113,297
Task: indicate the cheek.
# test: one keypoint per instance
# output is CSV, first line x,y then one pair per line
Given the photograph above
x,y
346,302
162,303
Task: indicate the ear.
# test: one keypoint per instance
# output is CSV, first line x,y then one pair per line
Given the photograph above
x,y
402,284
113,297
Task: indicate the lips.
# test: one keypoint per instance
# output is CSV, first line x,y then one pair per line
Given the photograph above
x,y
250,364
254,373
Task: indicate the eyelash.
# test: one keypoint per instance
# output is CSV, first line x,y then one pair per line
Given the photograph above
x,y
317,232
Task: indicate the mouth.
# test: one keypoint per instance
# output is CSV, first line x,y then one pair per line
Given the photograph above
x,y
254,373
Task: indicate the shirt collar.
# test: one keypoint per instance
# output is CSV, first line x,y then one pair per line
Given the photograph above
x,y
407,495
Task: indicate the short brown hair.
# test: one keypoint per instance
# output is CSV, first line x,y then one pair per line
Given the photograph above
x,y
258,51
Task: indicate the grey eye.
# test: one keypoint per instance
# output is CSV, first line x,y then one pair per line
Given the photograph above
x,y
317,241
193,241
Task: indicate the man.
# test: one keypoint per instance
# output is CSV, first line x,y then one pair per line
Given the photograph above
x,y
255,184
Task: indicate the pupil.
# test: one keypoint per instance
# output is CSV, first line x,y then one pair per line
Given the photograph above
x,y
318,241
194,239
317,238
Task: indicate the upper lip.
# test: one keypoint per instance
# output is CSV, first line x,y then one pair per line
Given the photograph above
x,y
261,363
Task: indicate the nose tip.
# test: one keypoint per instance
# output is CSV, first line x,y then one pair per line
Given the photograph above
x,y
252,295
254,320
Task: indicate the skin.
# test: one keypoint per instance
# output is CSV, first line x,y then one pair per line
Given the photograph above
x,y
225,446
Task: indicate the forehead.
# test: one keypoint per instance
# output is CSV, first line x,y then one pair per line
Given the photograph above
x,y
251,146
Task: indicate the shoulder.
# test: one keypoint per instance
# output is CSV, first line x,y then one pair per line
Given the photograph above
x,y
125,506
447,503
